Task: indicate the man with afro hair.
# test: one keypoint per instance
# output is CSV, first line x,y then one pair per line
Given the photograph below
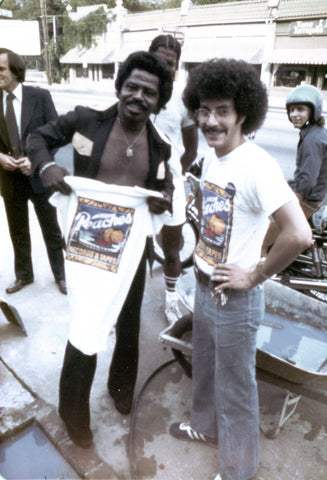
x,y
242,185
118,146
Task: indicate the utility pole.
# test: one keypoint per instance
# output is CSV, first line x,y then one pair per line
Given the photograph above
x,y
46,41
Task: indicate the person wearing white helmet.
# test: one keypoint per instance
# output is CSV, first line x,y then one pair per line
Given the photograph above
x,y
304,109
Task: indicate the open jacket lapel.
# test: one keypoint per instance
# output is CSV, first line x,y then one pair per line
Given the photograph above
x,y
27,111
104,127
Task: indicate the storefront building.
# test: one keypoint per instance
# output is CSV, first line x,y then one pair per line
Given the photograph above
x,y
285,39
300,52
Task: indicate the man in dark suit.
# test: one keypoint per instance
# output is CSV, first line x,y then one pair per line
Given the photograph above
x,y
22,110
118,146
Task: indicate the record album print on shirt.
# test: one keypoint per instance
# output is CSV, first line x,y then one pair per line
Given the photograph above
x,y
216,222
99,233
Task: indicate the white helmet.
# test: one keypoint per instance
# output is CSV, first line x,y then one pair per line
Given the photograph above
x,y
306,94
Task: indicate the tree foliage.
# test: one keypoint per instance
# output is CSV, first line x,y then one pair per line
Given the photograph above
x,y
11,5
65,34
145,5
135,6
211,2
84,32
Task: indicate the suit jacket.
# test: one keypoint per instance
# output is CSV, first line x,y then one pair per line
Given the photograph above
x,y
88,130
37,109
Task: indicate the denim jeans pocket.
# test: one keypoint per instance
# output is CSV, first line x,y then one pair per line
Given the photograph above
x,y
201,295
256,306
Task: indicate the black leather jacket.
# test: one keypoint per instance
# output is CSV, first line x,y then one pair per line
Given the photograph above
x,y
94,126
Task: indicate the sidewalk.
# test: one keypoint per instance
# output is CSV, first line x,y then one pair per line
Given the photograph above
x,y
30,368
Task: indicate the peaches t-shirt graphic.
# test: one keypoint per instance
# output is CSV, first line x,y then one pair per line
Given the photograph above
x,y
216,223
99,233
240,191
105,228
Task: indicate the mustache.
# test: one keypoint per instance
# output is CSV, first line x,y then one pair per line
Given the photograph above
x,y
139,103
211,130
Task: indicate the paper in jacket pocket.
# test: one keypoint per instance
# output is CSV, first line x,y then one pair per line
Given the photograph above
x,y
161,172
82,145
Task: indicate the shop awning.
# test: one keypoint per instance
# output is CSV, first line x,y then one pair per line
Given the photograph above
x,y
73,55
129,48
248,49
95,55
298,56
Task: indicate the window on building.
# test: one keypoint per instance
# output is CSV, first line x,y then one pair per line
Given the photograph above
x,y
108,70
80,71
290,75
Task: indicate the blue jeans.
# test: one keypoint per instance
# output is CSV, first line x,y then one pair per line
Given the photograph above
x,y
225,397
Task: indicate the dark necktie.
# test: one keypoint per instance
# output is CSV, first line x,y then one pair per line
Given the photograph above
x,y
12,127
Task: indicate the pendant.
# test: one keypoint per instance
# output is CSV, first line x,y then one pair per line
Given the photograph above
x,y
129,152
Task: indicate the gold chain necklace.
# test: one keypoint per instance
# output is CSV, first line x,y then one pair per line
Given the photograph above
x,y
129,149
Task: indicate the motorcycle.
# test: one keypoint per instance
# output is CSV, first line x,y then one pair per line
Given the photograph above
x,y
307,274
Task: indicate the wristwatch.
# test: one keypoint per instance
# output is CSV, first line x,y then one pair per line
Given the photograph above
x,y
259,268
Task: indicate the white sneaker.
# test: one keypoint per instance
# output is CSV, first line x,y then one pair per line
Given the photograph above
x,y
217,477
172,310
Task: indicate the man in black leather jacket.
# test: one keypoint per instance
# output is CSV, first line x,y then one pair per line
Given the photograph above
x,y
118,146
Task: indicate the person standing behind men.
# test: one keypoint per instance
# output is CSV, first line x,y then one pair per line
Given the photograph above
x,y
241,185
183,134
304,110
117,146
22,110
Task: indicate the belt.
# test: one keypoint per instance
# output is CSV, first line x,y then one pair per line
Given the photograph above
x,y
202,277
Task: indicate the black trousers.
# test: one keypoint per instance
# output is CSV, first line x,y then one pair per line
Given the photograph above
x,y
124,363
18,222
78,369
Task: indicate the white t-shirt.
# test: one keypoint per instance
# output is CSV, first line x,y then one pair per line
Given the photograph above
x,y
240,191
105,227
171,120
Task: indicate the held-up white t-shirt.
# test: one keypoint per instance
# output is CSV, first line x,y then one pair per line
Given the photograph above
x,y
105,228
240,191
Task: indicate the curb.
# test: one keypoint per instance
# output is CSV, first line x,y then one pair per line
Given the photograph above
x,y
19,415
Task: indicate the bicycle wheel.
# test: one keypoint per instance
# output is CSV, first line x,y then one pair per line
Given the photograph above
x,y
188,244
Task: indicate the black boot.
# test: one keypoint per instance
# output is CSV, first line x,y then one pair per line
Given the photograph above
x,y
74,393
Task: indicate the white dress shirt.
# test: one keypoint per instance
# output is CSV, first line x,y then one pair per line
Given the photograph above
x,y
17,104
